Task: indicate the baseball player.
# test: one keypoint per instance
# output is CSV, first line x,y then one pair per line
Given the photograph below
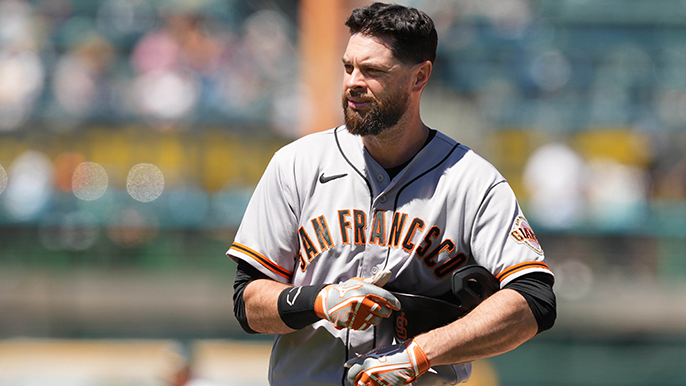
x,y
343,219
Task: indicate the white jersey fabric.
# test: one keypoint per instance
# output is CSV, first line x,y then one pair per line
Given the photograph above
x,y
325,211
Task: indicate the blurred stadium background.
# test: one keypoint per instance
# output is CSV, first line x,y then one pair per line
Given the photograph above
x,y
132,133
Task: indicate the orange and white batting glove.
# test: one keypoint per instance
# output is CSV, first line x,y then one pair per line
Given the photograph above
x,y
356,304
395,365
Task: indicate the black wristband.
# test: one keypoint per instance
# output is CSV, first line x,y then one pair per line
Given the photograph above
x,y
296,305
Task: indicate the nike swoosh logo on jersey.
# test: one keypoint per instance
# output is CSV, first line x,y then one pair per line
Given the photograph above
x,y
324,179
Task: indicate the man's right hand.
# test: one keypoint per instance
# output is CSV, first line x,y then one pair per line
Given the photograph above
x,y
356,304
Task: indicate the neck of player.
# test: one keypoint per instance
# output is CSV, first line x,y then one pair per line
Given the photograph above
x,y
399,143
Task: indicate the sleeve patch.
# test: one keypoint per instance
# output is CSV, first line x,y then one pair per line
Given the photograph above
x,y
523,234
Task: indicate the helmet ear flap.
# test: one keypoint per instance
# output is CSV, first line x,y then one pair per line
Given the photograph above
x,y
473,284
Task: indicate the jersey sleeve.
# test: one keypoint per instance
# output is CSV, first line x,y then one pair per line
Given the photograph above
x,y
267,237
502,240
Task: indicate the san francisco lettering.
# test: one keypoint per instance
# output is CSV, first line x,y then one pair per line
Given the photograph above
x,y
353,228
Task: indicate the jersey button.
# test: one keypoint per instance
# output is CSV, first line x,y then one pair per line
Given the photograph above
x,y
382,198
375,270
379,177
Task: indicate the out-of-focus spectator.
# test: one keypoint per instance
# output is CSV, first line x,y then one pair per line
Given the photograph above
x,y
83,81
266,38
550,70
29,187
260,74
164,87
179,367
617,194
21,71
120,19
555,178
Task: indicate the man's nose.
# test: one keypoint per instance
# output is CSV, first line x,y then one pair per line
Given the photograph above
x,y
354,80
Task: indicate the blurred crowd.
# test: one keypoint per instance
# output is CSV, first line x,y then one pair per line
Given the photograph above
x,y
587,98
68,62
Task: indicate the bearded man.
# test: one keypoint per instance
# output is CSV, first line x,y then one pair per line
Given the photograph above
x,y
345,221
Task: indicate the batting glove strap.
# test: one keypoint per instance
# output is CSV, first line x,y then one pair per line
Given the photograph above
x,y
296,305
355,304
394,365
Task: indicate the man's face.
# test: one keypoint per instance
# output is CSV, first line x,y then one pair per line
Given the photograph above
x,y
375,86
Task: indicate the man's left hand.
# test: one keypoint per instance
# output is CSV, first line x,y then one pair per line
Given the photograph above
x,y
394,365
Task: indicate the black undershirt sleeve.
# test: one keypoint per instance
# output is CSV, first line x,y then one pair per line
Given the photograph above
x,y
537,289
296,304
245,273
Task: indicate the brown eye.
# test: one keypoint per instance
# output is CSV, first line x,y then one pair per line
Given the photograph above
x,y
373,71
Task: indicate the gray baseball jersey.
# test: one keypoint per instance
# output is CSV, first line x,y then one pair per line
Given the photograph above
x,y
325,211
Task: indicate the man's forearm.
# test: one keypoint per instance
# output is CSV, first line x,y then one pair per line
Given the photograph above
x,y
261,306
499,324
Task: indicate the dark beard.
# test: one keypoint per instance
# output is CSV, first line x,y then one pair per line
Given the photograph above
x,y
382,115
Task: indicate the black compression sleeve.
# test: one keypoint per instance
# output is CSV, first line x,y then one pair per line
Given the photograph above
x,y
296,304
245,273
537,289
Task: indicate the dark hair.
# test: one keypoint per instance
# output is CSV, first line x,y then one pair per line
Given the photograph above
x,y
414,36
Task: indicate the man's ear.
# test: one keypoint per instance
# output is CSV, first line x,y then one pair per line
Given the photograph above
x,y
422,73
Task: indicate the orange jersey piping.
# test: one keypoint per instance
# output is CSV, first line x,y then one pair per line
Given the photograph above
x,y
522,266
286,274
